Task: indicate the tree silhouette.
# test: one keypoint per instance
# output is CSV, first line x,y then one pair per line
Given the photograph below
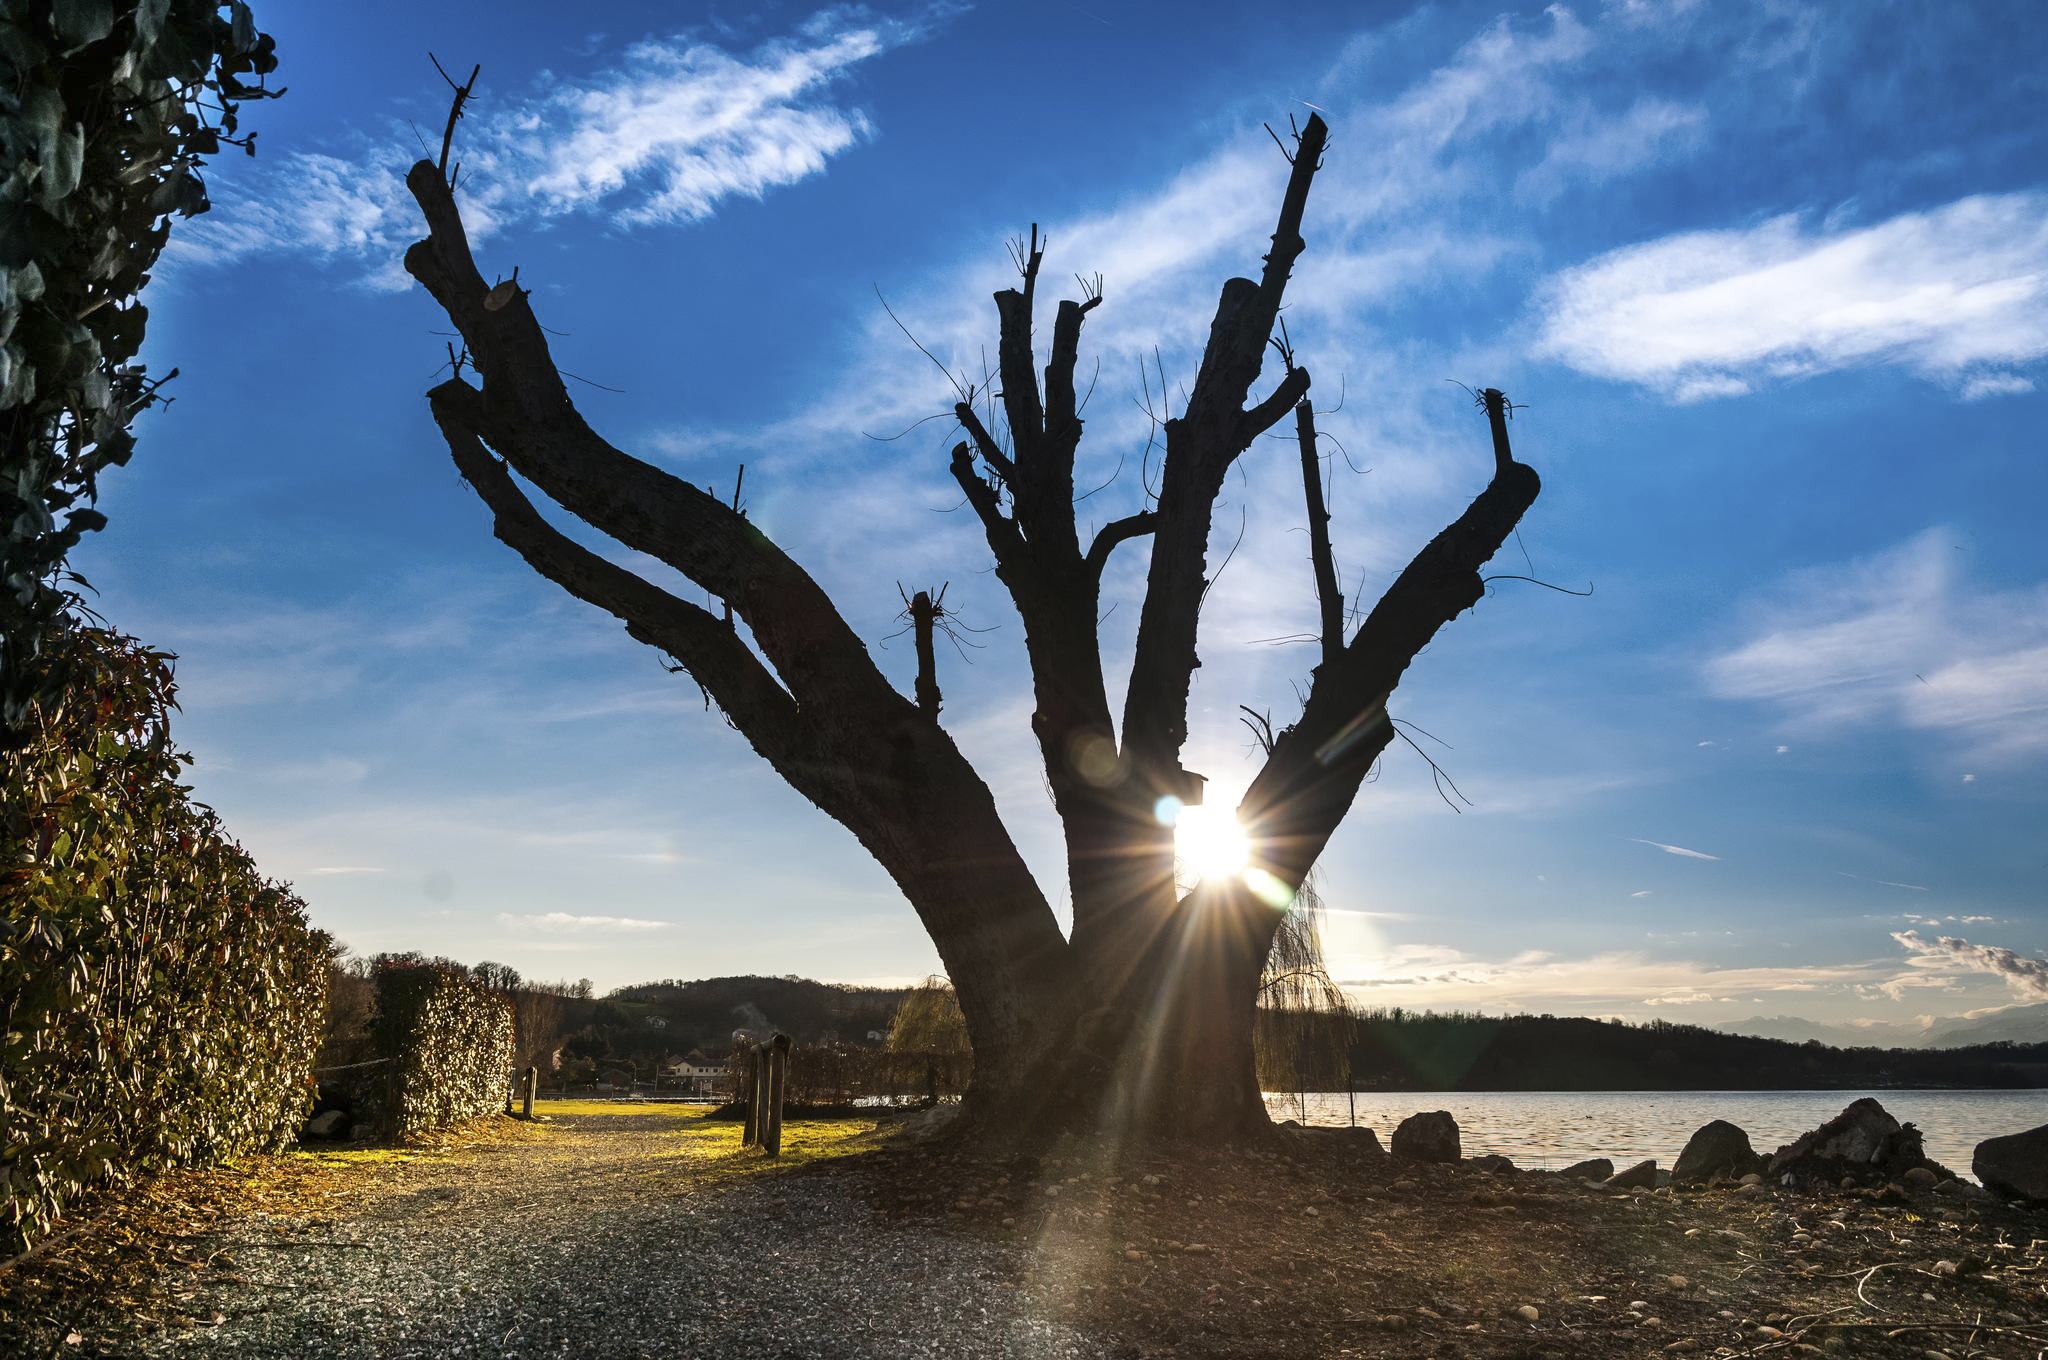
x,y
1140,1018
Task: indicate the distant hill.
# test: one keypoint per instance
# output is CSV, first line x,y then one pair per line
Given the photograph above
x,y
704,1013
1794,1029
2013,1024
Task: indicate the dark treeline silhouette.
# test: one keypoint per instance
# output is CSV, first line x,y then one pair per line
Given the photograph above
x,y
1401,1050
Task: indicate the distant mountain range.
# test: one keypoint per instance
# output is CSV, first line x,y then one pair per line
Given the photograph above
x,y
2014,1024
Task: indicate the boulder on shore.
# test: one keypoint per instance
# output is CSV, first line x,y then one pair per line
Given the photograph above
x,y
2015,1166
1594,1169
1863,1145
1429,1137
1642,1174
1716,1149
1492,1161
1357,1137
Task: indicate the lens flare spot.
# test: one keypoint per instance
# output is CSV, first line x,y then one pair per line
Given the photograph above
x,y
1208,841
1268,889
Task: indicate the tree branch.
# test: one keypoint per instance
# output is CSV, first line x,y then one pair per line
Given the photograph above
x,y
1317,765
1328,596
1200,446
1263,417
1113,533
712,653
984,443
524,413
1003,539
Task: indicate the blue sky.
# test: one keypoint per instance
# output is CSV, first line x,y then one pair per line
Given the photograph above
x,y
1770,279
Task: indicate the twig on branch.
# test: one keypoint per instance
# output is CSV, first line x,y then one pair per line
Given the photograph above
x,y
966,394
1261,725
1438,775
1562,590
463,92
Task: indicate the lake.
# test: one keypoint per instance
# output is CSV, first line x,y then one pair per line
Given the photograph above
x,y
1557,1128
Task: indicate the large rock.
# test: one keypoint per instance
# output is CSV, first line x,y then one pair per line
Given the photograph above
x,y
327,1124
1431,1137
1863,1144
1596,1169
2016,1165
1642,1174
1356,1137
1716,1149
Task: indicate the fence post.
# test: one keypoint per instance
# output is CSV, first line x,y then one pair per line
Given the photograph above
x,y
750,1078
532,1088
778,1078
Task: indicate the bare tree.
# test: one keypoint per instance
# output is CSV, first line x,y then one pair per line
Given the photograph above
x,y
1141,1018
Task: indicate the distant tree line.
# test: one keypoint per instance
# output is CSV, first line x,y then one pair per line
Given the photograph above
x,y
1402,1050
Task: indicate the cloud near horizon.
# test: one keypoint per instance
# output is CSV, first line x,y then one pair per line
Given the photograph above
x,y
2026,977
1957,294
562,922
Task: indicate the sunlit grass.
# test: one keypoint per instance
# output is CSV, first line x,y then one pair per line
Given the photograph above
x,y
711,1148
582,1109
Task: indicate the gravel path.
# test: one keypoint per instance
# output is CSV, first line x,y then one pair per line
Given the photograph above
x,y
596,1243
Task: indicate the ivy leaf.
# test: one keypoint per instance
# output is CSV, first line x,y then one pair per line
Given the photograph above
x,y
79,22
61,171
243,33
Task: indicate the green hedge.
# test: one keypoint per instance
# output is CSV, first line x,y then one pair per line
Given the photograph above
x,y
160,1001
447,1039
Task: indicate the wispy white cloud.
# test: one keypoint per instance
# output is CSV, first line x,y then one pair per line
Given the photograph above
x,y
1901,638
1597,148
1675,849
1612,982
1958,294
562,922
663,136
1881,882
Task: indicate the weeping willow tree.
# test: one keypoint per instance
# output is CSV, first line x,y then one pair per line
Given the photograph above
x,y
1301,1038
930,1021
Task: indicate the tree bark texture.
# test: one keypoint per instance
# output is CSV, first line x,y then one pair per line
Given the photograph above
x,y
1139,1020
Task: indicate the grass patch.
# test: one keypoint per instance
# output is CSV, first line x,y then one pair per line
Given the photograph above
x,y
710,1149
583,1109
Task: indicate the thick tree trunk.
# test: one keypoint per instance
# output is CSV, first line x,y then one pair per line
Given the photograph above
x,y
1169,1059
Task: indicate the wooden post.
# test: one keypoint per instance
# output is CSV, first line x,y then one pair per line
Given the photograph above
x,y
532,1089
750,1079
778,1083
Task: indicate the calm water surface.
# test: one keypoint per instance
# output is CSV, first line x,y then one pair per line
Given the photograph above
x,y
1556,1128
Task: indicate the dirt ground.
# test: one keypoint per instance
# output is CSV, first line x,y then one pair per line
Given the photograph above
x,y
1324,1249
638,1232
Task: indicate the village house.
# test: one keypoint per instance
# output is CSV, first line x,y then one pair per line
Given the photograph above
x,y
699,1075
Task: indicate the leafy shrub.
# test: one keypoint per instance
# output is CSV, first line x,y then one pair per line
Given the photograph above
x,y
111,108
160,1001
448,1041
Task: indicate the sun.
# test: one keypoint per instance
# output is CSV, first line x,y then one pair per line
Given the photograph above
x,y
1209,843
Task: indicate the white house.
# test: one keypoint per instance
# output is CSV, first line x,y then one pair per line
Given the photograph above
x,y
697,1072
